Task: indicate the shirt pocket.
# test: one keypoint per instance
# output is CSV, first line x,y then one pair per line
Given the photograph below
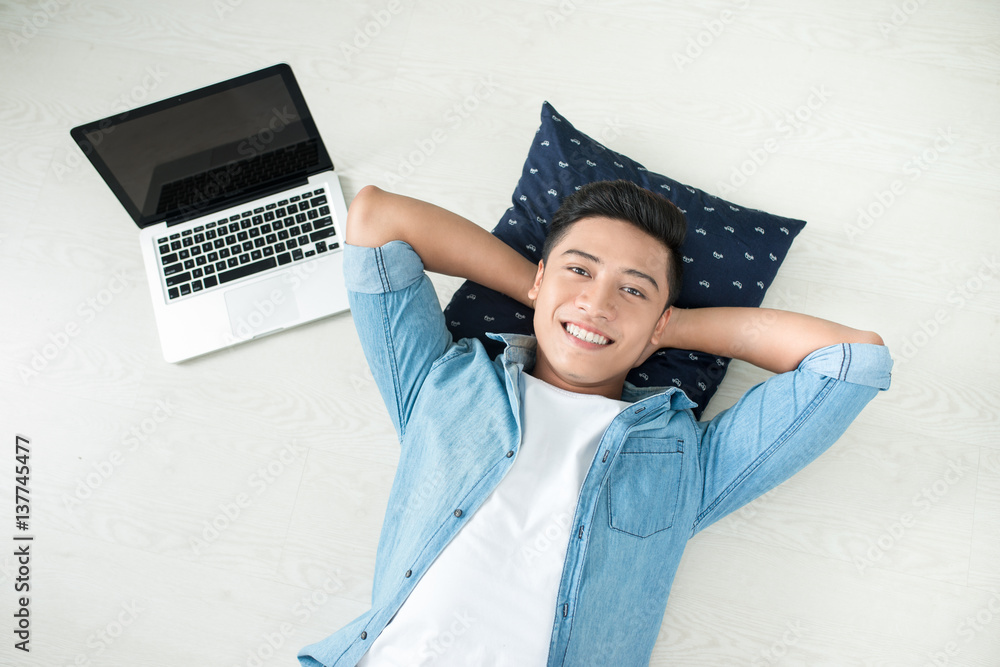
x,y
644,486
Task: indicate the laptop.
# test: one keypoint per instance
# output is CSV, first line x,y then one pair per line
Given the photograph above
x,y
241,215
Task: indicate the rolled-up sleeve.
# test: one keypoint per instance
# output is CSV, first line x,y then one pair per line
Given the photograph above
x,y
781,425
870,365
398,319
392,267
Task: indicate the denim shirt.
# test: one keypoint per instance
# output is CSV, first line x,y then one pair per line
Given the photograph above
x,y
658,477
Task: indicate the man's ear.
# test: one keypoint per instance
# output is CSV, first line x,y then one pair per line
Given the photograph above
x,y
661,325
533,292
655,337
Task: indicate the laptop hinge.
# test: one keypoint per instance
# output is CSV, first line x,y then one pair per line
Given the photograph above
x,y
243,198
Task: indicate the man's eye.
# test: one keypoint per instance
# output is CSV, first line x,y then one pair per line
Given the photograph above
x,y
577,269
633,291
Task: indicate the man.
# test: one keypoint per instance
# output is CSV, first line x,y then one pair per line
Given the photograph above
x,y
562,495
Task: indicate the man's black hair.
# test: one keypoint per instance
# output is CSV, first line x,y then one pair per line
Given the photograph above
x,y
623,200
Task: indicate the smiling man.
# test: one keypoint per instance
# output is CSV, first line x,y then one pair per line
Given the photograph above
x,y
603,308
563,496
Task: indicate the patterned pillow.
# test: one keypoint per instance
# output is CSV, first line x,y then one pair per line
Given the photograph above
x,y
731,253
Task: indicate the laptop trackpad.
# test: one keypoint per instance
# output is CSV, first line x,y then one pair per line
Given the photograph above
x,y
263,307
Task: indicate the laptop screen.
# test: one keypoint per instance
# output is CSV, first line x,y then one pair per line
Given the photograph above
x,y
209,149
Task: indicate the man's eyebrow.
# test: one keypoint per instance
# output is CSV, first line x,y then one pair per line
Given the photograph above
x,y
597,260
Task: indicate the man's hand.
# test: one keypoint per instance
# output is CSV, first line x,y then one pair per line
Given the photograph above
x,y
446,242
775,340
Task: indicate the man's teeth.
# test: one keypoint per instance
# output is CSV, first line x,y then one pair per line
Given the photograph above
x,y
588,336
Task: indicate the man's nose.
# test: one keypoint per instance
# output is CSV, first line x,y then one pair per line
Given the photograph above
x,y
597,299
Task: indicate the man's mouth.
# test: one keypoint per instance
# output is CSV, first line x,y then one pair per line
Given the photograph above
x,y
584,335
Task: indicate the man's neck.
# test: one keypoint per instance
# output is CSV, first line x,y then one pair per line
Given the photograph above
x,y
609,389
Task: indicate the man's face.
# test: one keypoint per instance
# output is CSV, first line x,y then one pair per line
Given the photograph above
x,y
599,306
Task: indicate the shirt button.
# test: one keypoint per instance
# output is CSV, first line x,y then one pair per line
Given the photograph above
x,y
408,573
458,512
510,453
364,635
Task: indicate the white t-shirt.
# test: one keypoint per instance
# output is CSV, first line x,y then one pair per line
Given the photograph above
x,y
490,596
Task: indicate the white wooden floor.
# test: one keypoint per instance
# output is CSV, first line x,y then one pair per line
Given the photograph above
x,y
225,511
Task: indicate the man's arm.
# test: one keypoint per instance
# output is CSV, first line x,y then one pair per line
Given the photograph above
x,y
446,242
826,374
396,311
775,340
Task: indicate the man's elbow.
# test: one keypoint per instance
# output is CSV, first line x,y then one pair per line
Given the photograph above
x,y
366,222
869,337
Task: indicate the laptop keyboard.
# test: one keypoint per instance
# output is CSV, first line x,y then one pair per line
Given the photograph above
x,y
213,254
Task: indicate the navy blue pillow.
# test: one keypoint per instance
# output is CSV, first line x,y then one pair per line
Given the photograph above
x,y
731,253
